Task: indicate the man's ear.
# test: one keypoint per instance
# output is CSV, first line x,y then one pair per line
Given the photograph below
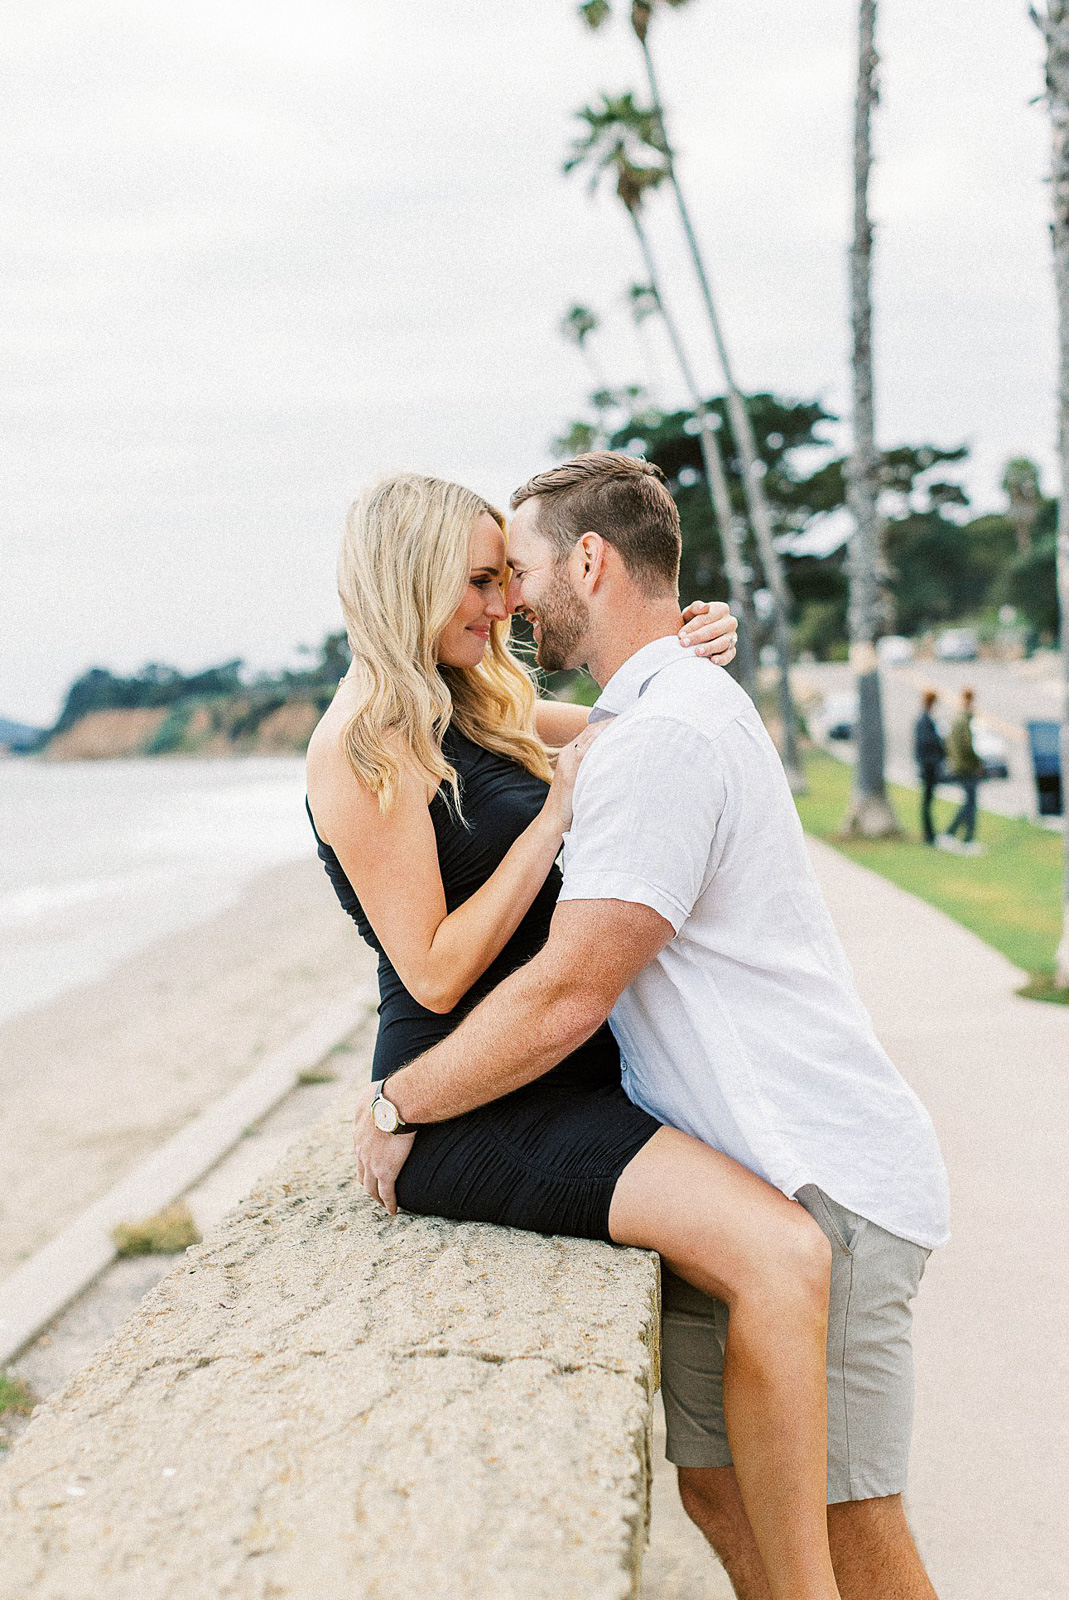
x,y
589,556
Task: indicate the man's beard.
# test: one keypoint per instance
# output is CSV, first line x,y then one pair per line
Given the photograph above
x,y
563,619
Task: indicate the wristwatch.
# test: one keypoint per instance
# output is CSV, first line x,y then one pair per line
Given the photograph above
x,y
385,1115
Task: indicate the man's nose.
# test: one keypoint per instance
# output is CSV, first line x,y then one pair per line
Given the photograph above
x,y
512,597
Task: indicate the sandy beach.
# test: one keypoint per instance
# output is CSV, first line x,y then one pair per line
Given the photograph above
x,y
95,1080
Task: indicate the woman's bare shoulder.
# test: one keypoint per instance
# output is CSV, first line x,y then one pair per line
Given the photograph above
x,y
336,795
325,757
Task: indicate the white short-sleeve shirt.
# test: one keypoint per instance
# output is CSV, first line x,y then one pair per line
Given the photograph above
x,y
747,1030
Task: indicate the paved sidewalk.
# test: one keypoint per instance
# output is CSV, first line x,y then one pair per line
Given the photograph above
x,y
990,1486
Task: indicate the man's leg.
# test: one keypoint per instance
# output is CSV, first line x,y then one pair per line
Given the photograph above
x,y
712,1501
873,1552
870,1395
960,815
927,796
872,1548
968,811
875,1276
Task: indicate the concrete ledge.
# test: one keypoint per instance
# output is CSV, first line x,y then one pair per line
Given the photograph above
x,y
322,1402
36,1292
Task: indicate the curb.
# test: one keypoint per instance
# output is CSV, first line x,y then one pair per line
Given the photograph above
x,y
36,1292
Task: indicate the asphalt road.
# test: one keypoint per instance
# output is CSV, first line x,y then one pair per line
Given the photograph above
x,y
1008,695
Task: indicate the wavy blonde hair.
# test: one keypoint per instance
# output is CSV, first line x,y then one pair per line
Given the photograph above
x,y
405,563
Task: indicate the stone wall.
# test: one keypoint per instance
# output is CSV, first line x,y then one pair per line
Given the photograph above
x,y
323,1402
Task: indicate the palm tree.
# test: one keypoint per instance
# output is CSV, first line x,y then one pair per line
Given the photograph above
x,y
1054,25
576,325
594,14
870,813
642,302
613,131
1020,482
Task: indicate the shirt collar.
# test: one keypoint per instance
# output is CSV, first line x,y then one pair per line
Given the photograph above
x,y
628,681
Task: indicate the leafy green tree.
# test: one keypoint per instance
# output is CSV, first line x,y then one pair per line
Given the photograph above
x,y
940,567
1031,584
154,686
788,432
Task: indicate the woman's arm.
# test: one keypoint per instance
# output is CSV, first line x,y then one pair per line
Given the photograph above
x,y
392,863
557,722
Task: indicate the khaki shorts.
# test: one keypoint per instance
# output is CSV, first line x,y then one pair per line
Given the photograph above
x,y
874,1277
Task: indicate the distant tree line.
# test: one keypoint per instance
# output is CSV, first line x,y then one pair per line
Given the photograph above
x,y
157,686
943,566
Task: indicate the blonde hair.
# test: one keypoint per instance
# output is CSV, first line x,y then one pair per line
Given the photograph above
x,y
405,563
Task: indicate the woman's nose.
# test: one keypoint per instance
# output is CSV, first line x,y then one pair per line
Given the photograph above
x,y
495,605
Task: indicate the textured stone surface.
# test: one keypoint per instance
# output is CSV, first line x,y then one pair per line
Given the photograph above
x,y
321,1401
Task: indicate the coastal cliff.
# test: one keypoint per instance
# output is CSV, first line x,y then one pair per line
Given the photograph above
x,y
216,711
238,725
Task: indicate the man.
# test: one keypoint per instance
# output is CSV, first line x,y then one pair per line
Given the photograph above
x,y
966,768
738,1022
930,753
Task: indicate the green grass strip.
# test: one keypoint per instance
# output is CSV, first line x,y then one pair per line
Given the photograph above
x,y
1011,897
16,1396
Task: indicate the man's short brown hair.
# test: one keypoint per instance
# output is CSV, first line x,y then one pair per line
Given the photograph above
x,y
623,498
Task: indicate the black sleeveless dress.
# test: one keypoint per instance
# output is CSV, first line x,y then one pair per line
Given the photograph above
x,y
545,1157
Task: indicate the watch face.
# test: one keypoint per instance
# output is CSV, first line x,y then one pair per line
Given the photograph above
x,y
384,1115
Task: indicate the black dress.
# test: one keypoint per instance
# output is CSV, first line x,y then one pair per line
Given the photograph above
x,y
545,1157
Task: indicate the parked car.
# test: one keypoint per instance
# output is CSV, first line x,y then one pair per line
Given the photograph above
x,y
992,749
838,715
957,644
894,650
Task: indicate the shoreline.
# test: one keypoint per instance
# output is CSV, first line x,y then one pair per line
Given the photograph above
x,y
95,1080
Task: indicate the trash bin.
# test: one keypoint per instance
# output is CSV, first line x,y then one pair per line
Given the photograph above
x,y
1043,738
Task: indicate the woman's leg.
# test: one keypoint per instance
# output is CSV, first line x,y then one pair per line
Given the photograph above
x,y
735,1237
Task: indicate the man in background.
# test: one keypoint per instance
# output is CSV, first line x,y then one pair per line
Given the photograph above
x,y
966,768
930,753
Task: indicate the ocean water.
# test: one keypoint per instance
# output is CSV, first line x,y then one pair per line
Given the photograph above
x,y
100,858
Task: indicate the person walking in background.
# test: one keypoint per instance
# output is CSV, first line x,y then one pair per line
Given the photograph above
x,y
966,768
930,753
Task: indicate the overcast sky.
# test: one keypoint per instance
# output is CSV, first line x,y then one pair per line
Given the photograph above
x,y
259,250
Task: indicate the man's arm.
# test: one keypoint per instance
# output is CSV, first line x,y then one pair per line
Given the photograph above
x,y
648,801
539,1014
536,1017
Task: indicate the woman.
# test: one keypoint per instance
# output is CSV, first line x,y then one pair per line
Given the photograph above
x,y
439,822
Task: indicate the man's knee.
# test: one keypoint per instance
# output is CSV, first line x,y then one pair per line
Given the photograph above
x,y
711,1499
793,1269
883,1512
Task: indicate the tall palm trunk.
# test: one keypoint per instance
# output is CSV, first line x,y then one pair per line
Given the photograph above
x,y
1055,27
715,475
742,428
870,811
